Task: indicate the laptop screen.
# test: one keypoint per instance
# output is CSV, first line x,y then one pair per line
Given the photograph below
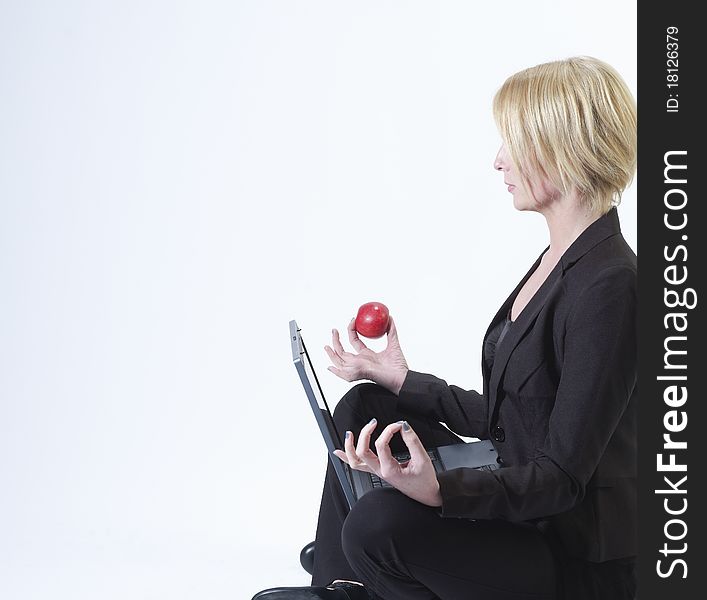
x,y
303,362
320,408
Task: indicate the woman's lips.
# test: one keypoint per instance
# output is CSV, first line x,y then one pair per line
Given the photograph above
x,y
511,188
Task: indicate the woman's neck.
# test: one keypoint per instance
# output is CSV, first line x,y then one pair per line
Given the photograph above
x,y
566,219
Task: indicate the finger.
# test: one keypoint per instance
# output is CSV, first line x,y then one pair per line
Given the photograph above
x,y
337,343
387,461
349,449
363,448
415,447
333,356
351,457
364,437
340,454
353,337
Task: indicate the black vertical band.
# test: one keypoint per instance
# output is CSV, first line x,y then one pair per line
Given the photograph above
x,y
673,355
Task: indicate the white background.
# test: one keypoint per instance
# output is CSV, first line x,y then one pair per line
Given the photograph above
x,y
180,179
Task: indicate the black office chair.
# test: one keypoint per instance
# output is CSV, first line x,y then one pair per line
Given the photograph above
x,y
306,557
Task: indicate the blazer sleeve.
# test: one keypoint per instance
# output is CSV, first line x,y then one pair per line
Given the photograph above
x,y
597,379
463,411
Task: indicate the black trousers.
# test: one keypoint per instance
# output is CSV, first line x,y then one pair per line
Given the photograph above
x,y
401,549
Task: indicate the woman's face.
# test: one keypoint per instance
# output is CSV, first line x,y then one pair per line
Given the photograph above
x,y
541,192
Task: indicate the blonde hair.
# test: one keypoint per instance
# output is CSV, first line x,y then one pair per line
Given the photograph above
x,y
573,121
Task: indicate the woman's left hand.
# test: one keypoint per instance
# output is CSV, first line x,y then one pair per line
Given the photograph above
x,y
415,478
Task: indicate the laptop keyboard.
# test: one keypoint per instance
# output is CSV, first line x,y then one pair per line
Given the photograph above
x,y
382,483
487,468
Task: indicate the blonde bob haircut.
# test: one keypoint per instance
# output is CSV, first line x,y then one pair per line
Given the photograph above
x,y
574,122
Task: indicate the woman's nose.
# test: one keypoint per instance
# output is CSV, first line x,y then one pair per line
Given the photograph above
x,y
500,162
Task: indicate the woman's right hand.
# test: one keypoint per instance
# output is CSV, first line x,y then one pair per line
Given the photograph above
x,y
387,368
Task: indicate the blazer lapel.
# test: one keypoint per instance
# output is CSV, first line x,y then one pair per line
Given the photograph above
x,y
517,331
502,314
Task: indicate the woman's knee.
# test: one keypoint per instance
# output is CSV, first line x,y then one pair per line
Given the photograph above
x,y
357,405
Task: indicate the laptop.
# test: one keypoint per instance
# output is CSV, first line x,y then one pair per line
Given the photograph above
x,y
476,455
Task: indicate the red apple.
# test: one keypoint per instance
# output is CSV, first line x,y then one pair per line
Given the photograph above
x,y
372,320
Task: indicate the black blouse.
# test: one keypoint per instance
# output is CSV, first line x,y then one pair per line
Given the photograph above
x,y
494,339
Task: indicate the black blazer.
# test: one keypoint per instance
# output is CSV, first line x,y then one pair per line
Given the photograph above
x,y
559,404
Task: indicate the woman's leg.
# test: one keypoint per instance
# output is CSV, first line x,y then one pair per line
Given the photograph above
x,y
403,550
357,407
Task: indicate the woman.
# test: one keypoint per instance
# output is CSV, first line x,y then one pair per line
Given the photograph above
x,y
558,520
